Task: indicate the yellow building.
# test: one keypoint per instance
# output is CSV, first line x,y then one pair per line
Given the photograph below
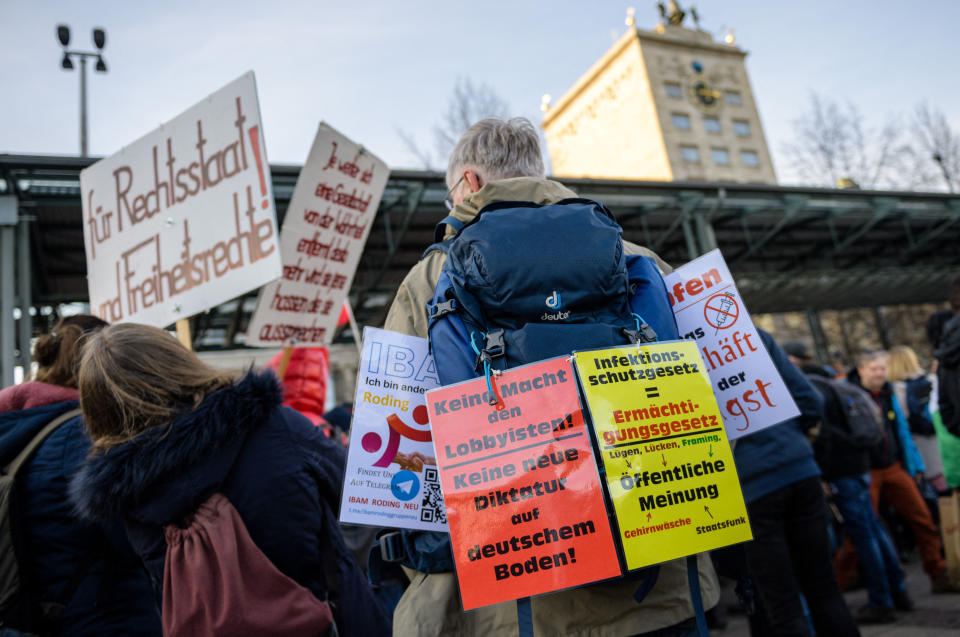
x,y
668,104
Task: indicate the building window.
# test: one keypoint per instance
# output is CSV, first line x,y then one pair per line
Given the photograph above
x,y
690,154
732,98
720,155
711,124
749,158
680,121
673,90
741,128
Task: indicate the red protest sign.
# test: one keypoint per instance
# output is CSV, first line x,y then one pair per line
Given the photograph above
x,y
520,485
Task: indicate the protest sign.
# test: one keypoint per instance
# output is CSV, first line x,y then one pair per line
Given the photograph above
x,y
669,468
520,485
326,226
391,477
182,219
710,311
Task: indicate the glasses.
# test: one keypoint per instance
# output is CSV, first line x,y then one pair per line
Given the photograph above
x,y
448,200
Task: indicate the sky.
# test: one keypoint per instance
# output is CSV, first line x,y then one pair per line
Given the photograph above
x,y
373,68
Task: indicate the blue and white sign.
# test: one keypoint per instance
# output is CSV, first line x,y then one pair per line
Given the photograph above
x,y
391,478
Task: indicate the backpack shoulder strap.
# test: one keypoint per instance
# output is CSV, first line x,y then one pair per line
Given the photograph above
x,y
442,246
693,579
439,231
25,453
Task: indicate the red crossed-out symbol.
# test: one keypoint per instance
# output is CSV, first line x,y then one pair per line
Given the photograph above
x,y
721,310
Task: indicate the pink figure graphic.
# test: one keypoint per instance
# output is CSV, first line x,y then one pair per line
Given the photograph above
x,y
397,429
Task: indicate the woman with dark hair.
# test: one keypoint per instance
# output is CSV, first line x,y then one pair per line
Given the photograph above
x,y
76,578
171,434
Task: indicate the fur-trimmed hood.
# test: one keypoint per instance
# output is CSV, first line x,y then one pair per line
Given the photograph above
x,y
165,472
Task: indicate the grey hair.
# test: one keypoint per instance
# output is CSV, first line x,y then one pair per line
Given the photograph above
x,y
498,149
868,356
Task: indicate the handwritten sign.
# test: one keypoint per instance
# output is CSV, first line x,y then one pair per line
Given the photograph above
x,y
669,467
182,219
710,311
391,478
333,206
520,484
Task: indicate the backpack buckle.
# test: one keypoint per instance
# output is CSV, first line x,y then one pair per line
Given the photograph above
x,y
495,345
442,309
391,547
645,334
494,348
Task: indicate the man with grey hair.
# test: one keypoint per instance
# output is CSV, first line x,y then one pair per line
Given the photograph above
x,y
500,161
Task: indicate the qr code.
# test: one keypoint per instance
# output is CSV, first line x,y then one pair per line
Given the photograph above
x,y
431,509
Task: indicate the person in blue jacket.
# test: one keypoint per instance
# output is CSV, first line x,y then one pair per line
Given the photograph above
x,y
169,431
77,578
789,554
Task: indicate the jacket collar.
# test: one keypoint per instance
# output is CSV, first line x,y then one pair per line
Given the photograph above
x,y
165,472
541,191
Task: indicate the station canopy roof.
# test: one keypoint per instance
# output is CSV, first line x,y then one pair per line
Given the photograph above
x,y
789,248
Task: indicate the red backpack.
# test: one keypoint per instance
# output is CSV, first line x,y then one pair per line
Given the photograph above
x,y
216,581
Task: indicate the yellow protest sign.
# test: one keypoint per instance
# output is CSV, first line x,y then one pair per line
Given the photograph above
x,y
669,467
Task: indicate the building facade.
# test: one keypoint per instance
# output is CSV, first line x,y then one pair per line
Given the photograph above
x,y
668,104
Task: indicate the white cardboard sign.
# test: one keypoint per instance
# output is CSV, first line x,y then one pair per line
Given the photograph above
x,y
183,218
391,477
710,310
327,224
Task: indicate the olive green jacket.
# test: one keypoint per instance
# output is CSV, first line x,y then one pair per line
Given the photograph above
x,y
431,604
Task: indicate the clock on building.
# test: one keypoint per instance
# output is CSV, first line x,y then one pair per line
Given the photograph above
x,y
702,93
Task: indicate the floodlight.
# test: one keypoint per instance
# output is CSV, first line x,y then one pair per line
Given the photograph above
x,y
101,65
66,63
99,38
63,34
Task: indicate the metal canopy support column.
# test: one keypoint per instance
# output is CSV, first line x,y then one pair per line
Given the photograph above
x,y
689,202
821,347
25,293
691,239
8,228
705,233
882,331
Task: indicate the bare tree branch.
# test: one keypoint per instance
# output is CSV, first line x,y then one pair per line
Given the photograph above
x,y
938,147
833,143
422,155
469,103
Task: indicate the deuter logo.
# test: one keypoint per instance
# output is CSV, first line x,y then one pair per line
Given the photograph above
x,y
554,303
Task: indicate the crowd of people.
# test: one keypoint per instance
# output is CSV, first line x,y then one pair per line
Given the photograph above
x,y
155,494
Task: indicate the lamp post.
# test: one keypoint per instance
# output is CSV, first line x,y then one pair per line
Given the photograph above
x,y
99,40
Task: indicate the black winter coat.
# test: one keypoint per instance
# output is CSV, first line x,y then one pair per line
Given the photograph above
x,y
837,456
283,476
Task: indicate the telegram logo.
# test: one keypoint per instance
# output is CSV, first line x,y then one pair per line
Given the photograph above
x,y
405,485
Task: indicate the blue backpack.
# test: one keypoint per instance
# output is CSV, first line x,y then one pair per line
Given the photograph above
x,y
524,282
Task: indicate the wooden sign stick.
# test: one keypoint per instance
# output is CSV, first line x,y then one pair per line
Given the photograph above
x,y
183,333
